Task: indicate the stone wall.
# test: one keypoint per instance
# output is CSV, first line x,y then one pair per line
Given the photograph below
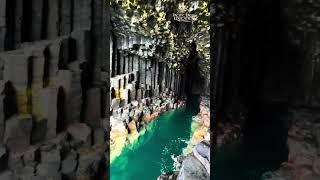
x,y
52,57
135,75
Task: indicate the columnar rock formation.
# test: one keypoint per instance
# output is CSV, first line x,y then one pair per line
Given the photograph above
x,y
142,86
267,62
135,75
53,55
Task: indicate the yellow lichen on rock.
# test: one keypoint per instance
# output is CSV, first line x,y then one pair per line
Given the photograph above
x,y
118,142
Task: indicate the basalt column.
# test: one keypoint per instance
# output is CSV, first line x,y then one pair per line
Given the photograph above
x,y
54,89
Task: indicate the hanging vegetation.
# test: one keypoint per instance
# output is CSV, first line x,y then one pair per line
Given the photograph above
x,y
154,19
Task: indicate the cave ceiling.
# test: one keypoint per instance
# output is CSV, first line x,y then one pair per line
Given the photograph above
x,y
167,38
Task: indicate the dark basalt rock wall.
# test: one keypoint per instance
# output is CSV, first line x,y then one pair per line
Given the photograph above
x,y
266,58
53,75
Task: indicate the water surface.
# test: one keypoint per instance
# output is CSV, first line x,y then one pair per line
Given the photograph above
x,y
152,153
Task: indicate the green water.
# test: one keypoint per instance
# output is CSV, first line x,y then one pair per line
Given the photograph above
x,y
152,154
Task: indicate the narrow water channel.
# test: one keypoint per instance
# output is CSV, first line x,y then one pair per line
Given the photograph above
x,y
152,154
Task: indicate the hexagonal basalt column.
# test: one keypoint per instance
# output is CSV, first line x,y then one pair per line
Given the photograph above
x,y
66,17
2,23
93,109
82,14
49,100
18,62
82,44
53,19
36,19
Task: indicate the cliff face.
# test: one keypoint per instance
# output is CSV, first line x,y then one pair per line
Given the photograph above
x,y
266,73
52,60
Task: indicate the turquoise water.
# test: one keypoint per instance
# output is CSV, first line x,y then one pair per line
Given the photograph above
x,y
152,154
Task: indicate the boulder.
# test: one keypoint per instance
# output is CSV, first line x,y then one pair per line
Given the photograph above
x,y
203,155
192,169
203,150
80,131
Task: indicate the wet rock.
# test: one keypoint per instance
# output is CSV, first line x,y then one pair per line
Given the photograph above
x,y
202,153
203,150
168,176
192,169
132,126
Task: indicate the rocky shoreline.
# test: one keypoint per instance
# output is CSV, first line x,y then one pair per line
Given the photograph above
x,y
195,161
129,122
304,148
